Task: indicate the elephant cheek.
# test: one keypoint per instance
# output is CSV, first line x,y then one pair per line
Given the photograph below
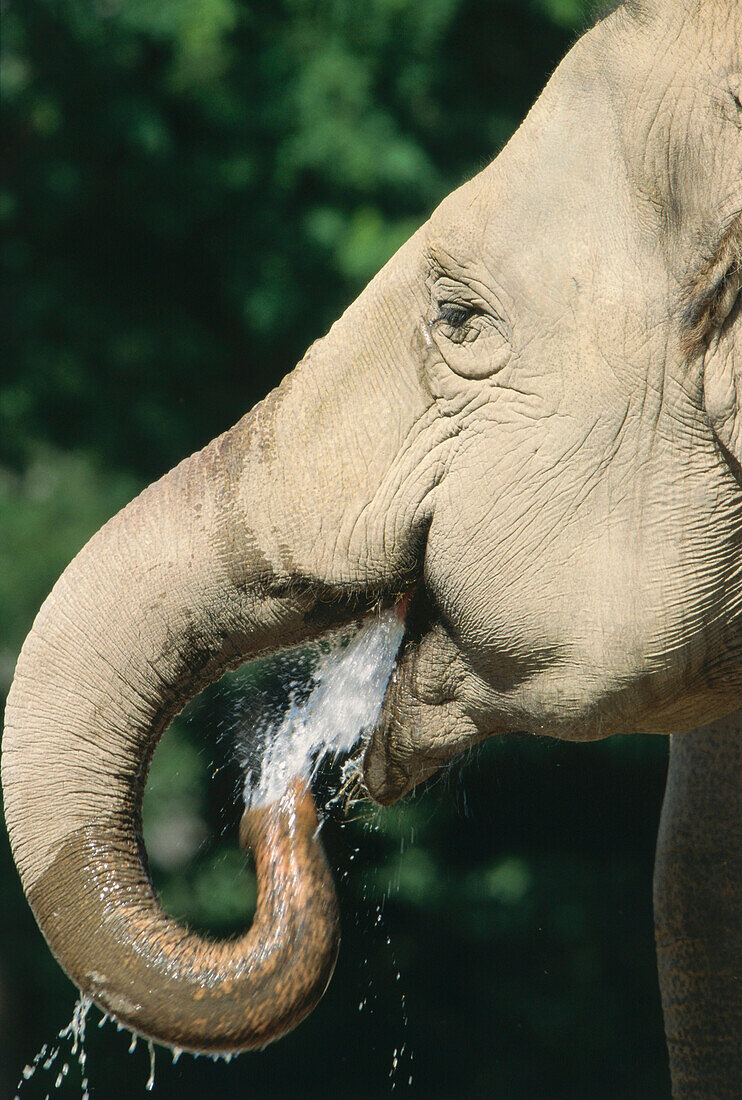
x,y
422,723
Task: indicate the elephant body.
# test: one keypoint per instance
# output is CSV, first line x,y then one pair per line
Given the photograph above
x,y
529,427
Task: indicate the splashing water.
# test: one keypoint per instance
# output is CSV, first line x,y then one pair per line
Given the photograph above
x,y
343,704
348,688
48,1055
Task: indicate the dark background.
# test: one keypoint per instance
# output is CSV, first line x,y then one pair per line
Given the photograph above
x,y
192,191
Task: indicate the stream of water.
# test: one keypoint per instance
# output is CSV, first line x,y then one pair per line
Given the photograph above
x,y
348,685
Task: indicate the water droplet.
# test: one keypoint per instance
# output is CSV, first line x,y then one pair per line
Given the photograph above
x,y
151,1079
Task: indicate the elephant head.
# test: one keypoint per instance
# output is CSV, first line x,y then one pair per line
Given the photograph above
x,y
531,419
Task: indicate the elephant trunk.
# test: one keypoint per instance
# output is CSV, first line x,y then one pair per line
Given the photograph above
x,y
313,507
107,929
195,576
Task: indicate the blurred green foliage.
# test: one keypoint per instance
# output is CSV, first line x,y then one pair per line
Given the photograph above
x,y
191,191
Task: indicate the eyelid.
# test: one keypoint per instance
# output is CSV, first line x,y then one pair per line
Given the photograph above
x,y
481,315
445,288
451,290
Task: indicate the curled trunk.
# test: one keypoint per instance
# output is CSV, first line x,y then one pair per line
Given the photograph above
x,y
292,522
172,985
171,592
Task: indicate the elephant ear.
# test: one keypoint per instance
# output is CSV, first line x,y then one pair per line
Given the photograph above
x,y
716,325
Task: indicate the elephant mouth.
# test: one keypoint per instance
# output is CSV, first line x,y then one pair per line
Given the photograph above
x,y
423,723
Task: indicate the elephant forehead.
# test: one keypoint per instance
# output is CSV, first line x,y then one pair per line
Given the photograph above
x,y
555,228
564,159
635,117
679,128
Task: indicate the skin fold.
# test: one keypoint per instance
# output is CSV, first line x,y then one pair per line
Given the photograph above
x,y
531,420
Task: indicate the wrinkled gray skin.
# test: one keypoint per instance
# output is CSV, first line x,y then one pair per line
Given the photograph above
x,y
533,417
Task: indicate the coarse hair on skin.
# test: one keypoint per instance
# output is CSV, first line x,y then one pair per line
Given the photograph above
x,y
713,286
631,7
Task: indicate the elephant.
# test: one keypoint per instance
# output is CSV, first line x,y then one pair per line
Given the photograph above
x,y
527,429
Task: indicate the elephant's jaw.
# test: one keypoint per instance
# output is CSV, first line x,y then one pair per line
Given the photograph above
x,y
439,704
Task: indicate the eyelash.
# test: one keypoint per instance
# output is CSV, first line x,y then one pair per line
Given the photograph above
x,y
455,314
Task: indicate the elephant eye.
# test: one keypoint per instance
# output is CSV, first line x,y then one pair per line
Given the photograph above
x,y
454,314
469,338
466,329
458,321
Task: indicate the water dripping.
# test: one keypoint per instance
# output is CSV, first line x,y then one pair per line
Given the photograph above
x,y
48,1055
62,1074
151,1079
76,1028
393,1070
402,1053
